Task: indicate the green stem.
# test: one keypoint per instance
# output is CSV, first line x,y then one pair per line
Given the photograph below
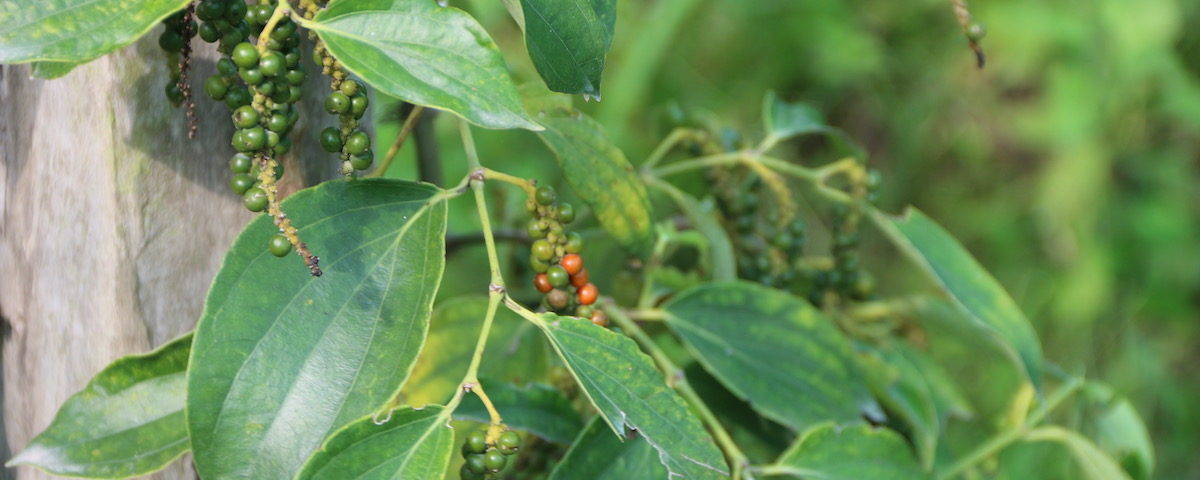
x,y
1003,440
409,123
816,177
281,9
676,379
676,136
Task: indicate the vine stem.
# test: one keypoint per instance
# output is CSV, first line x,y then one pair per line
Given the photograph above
x,y
409,123
677,380
281,9
1003,440
815,177
677,135
529,186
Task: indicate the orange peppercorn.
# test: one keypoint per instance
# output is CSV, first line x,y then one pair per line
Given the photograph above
x,y
541,283
572,263
580,279
587,294
599,318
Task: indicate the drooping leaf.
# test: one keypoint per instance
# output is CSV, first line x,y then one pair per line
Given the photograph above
x,y
424,54
761,439
76,30
52,70
630,393
1119,430
282,358
598,171
568,40
720,249
968,284
410,444
536,408
516,352
1093,462
771,349
899,383
851,453
783,120
127,421
598,455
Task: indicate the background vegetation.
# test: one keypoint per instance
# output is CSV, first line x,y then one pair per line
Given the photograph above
x,y
1068,165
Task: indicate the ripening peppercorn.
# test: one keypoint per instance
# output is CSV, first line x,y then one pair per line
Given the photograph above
x,y
599,318
558,299
557,276
574,243
541,283
580,279
572,263
587,294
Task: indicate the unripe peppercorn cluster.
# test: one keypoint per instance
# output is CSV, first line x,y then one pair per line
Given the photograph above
x,y
348,101
555,257
261,87
484,460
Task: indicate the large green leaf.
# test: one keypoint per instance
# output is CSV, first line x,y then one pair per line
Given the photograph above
x,y
1094,463
600,174
515,352
282,358
408,444
853,453
771,349
704,220
127,421
536,408
629,392
598,455
75,30
567,40
966,281
52,70
424,54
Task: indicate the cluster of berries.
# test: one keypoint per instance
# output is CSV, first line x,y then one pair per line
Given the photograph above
x,y
484,460
556,261
178,29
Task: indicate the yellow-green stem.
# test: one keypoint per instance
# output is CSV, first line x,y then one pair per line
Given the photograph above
x,y
282,8
405,130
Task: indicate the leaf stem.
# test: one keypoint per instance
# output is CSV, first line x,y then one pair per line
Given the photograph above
x,y
815,177
664,147
407,128
530,186
677,380
1003,440
281,9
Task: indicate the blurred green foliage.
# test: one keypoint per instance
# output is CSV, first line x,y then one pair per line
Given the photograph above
x,y
1068,165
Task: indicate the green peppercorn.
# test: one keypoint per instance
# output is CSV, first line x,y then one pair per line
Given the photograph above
x,y
240,163
557,275
279,245
509,442
245,117
279,150
535,230
566,212
538,265
542,249
278,123
358,105
494,460
294,77
545,195
252,76
976,32
235,11
331,140
255,199
476,442
476,463
240,183
574,242
245,55
272,64
226,67
174,94
251,139
337,102
237,96
292,59
216,87
358,142
465,473
362,161
170,40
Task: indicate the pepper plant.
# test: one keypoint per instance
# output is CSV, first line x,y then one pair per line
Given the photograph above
x,y
745,336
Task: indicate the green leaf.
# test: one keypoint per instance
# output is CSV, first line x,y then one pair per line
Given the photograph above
x,y
76,30
771,349
900,383
853,453
535,408
1119,430
424,54
720,249
410,444
282,358
1094,463
783,120
567,40
127,421
598,455
603,178
52,70
624,386
515,352
968,284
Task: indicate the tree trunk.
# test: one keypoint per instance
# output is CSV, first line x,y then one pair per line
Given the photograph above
x,y
112,223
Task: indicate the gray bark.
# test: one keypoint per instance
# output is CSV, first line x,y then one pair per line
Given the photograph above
x,y
112,222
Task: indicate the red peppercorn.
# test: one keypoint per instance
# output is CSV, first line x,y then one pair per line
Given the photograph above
x,y
572,263
580,279
599,318
587,294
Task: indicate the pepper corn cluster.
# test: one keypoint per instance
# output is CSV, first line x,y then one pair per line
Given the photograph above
x,y
556,260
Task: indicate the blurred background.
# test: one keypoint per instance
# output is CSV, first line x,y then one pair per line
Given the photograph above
x,y
1068,165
